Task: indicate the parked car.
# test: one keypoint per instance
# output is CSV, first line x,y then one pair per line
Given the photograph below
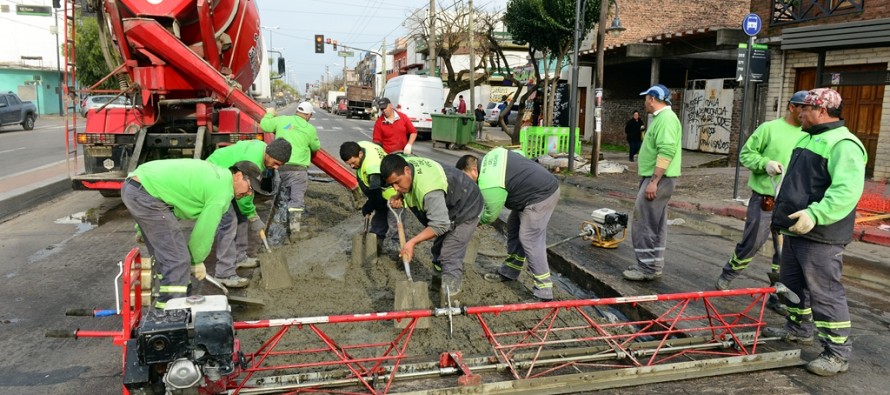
x,y
14,110
493,112
97,101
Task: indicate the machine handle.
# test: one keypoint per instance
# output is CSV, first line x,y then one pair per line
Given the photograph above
x,y
62,333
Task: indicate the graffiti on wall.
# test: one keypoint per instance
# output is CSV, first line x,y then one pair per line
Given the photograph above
x,y
707,118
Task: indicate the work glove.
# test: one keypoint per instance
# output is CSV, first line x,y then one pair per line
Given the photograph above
x,y
271,111
407,149
773,168
368,208
199,271
256,224
804,222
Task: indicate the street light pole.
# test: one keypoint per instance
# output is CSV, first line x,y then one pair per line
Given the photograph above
x,y
573,89
473,64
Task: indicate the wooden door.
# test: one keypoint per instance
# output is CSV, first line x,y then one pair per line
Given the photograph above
x,y
582,104
862,106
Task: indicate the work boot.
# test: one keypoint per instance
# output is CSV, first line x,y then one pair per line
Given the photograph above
x,y
543,294
722,283
496,277
828,364
248,263
295,217
234,281
777,306
452,283
634,274
787,336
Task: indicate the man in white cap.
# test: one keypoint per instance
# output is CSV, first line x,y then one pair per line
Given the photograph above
x,y
659,164
816,211
294,174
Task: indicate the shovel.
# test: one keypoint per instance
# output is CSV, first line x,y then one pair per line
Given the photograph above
x,y
240,300
273,267
364,246
410,294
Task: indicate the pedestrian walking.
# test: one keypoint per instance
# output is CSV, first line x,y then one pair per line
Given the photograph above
x,y
508,179
188,189
659,165
294,174
480,121
634,129
393,130
446,202
766,153
815,210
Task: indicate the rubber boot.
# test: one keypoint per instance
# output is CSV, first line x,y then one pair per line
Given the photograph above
x,y
295,218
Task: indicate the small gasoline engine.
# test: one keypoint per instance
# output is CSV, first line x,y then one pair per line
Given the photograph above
x,y
606,224
188,348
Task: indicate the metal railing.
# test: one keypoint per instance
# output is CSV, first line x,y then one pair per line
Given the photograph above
x,y
794,11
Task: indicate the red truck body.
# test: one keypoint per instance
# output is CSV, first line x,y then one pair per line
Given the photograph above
x,y
187,66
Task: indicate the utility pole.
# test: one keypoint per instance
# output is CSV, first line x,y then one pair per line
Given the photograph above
x,y
472,63
573,87
432,39
598,88
383,74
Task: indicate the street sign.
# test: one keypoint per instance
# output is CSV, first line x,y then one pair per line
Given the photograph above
x,y
345,54
752,24
759,60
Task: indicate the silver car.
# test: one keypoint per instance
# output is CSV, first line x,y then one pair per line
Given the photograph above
x,y
493,112
97,101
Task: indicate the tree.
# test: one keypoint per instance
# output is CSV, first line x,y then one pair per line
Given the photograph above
x,y
548,27
91,64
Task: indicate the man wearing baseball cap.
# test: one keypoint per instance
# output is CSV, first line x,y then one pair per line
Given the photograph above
x,y
231,247
187,189
294,174
815,209
766,153
659,164
393,130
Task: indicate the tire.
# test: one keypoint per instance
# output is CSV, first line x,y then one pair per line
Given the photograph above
x,y
110,193
28,123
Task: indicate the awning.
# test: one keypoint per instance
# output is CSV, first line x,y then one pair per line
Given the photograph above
x,y
858,34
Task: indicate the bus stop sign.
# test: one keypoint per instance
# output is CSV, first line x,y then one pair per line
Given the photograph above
x,y
752,24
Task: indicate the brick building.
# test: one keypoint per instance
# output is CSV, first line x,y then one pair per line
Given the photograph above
x,y
842,44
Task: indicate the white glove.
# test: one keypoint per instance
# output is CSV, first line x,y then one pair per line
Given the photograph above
x,y
773,168
407,149
271,110
804,223
199,271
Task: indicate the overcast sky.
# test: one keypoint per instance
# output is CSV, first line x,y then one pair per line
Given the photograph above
x,y
357,23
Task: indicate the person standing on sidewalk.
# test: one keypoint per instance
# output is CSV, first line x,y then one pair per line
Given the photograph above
x,y
766,153
634,130
461,105
659,164
160,193
507,179
294,174
393,130
480,121
445,201
816,210
232,253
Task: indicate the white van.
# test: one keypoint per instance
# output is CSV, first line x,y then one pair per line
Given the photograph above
x,y
417,96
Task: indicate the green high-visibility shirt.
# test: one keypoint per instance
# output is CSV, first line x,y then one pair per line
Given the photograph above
x,y
428,176
249,150
773,140
298,132
197,190
662,140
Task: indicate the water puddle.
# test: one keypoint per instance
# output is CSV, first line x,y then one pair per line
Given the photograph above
x,y
82,221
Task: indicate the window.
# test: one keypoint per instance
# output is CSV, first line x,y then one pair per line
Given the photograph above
x,y
3,101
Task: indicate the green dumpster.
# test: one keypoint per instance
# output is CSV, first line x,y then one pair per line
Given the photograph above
x,y
454,131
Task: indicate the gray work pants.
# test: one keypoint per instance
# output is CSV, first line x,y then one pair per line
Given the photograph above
x,y
225,245
384,223
757,230
816,268
527,239
296,179
479,126
164,239
649,229
450,248
242,241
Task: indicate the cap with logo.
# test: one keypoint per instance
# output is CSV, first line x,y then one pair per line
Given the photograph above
x,y
382,103
659,92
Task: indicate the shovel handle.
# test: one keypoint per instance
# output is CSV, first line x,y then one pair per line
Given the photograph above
x,y
263,238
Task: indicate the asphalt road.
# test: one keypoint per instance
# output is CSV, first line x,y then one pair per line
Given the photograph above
x,y
25,150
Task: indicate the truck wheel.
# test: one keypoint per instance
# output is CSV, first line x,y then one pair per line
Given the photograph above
x,y
110,193
28,123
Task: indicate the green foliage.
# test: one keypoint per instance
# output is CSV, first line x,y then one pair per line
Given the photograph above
x,y
548,24
91,65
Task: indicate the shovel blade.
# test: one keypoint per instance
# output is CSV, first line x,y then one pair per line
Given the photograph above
x,y
274,271
412,295
364,249
246,301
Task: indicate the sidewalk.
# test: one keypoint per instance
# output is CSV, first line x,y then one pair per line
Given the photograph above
x,y
875,200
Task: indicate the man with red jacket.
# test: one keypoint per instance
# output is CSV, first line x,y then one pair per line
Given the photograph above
x,y
393,130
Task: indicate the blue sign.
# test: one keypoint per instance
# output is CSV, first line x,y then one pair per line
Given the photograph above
x,y
752,24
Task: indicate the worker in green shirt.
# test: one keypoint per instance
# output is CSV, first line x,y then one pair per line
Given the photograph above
x,y
365,158
766,153
659,164
294,174
160,193
231,247
445,201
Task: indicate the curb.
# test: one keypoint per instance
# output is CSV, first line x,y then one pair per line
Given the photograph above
x,y
13,205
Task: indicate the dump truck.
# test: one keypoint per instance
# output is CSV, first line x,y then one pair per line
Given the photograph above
x,y
359,101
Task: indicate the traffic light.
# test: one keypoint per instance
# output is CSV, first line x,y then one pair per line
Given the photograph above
x,y
319,43
335,45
